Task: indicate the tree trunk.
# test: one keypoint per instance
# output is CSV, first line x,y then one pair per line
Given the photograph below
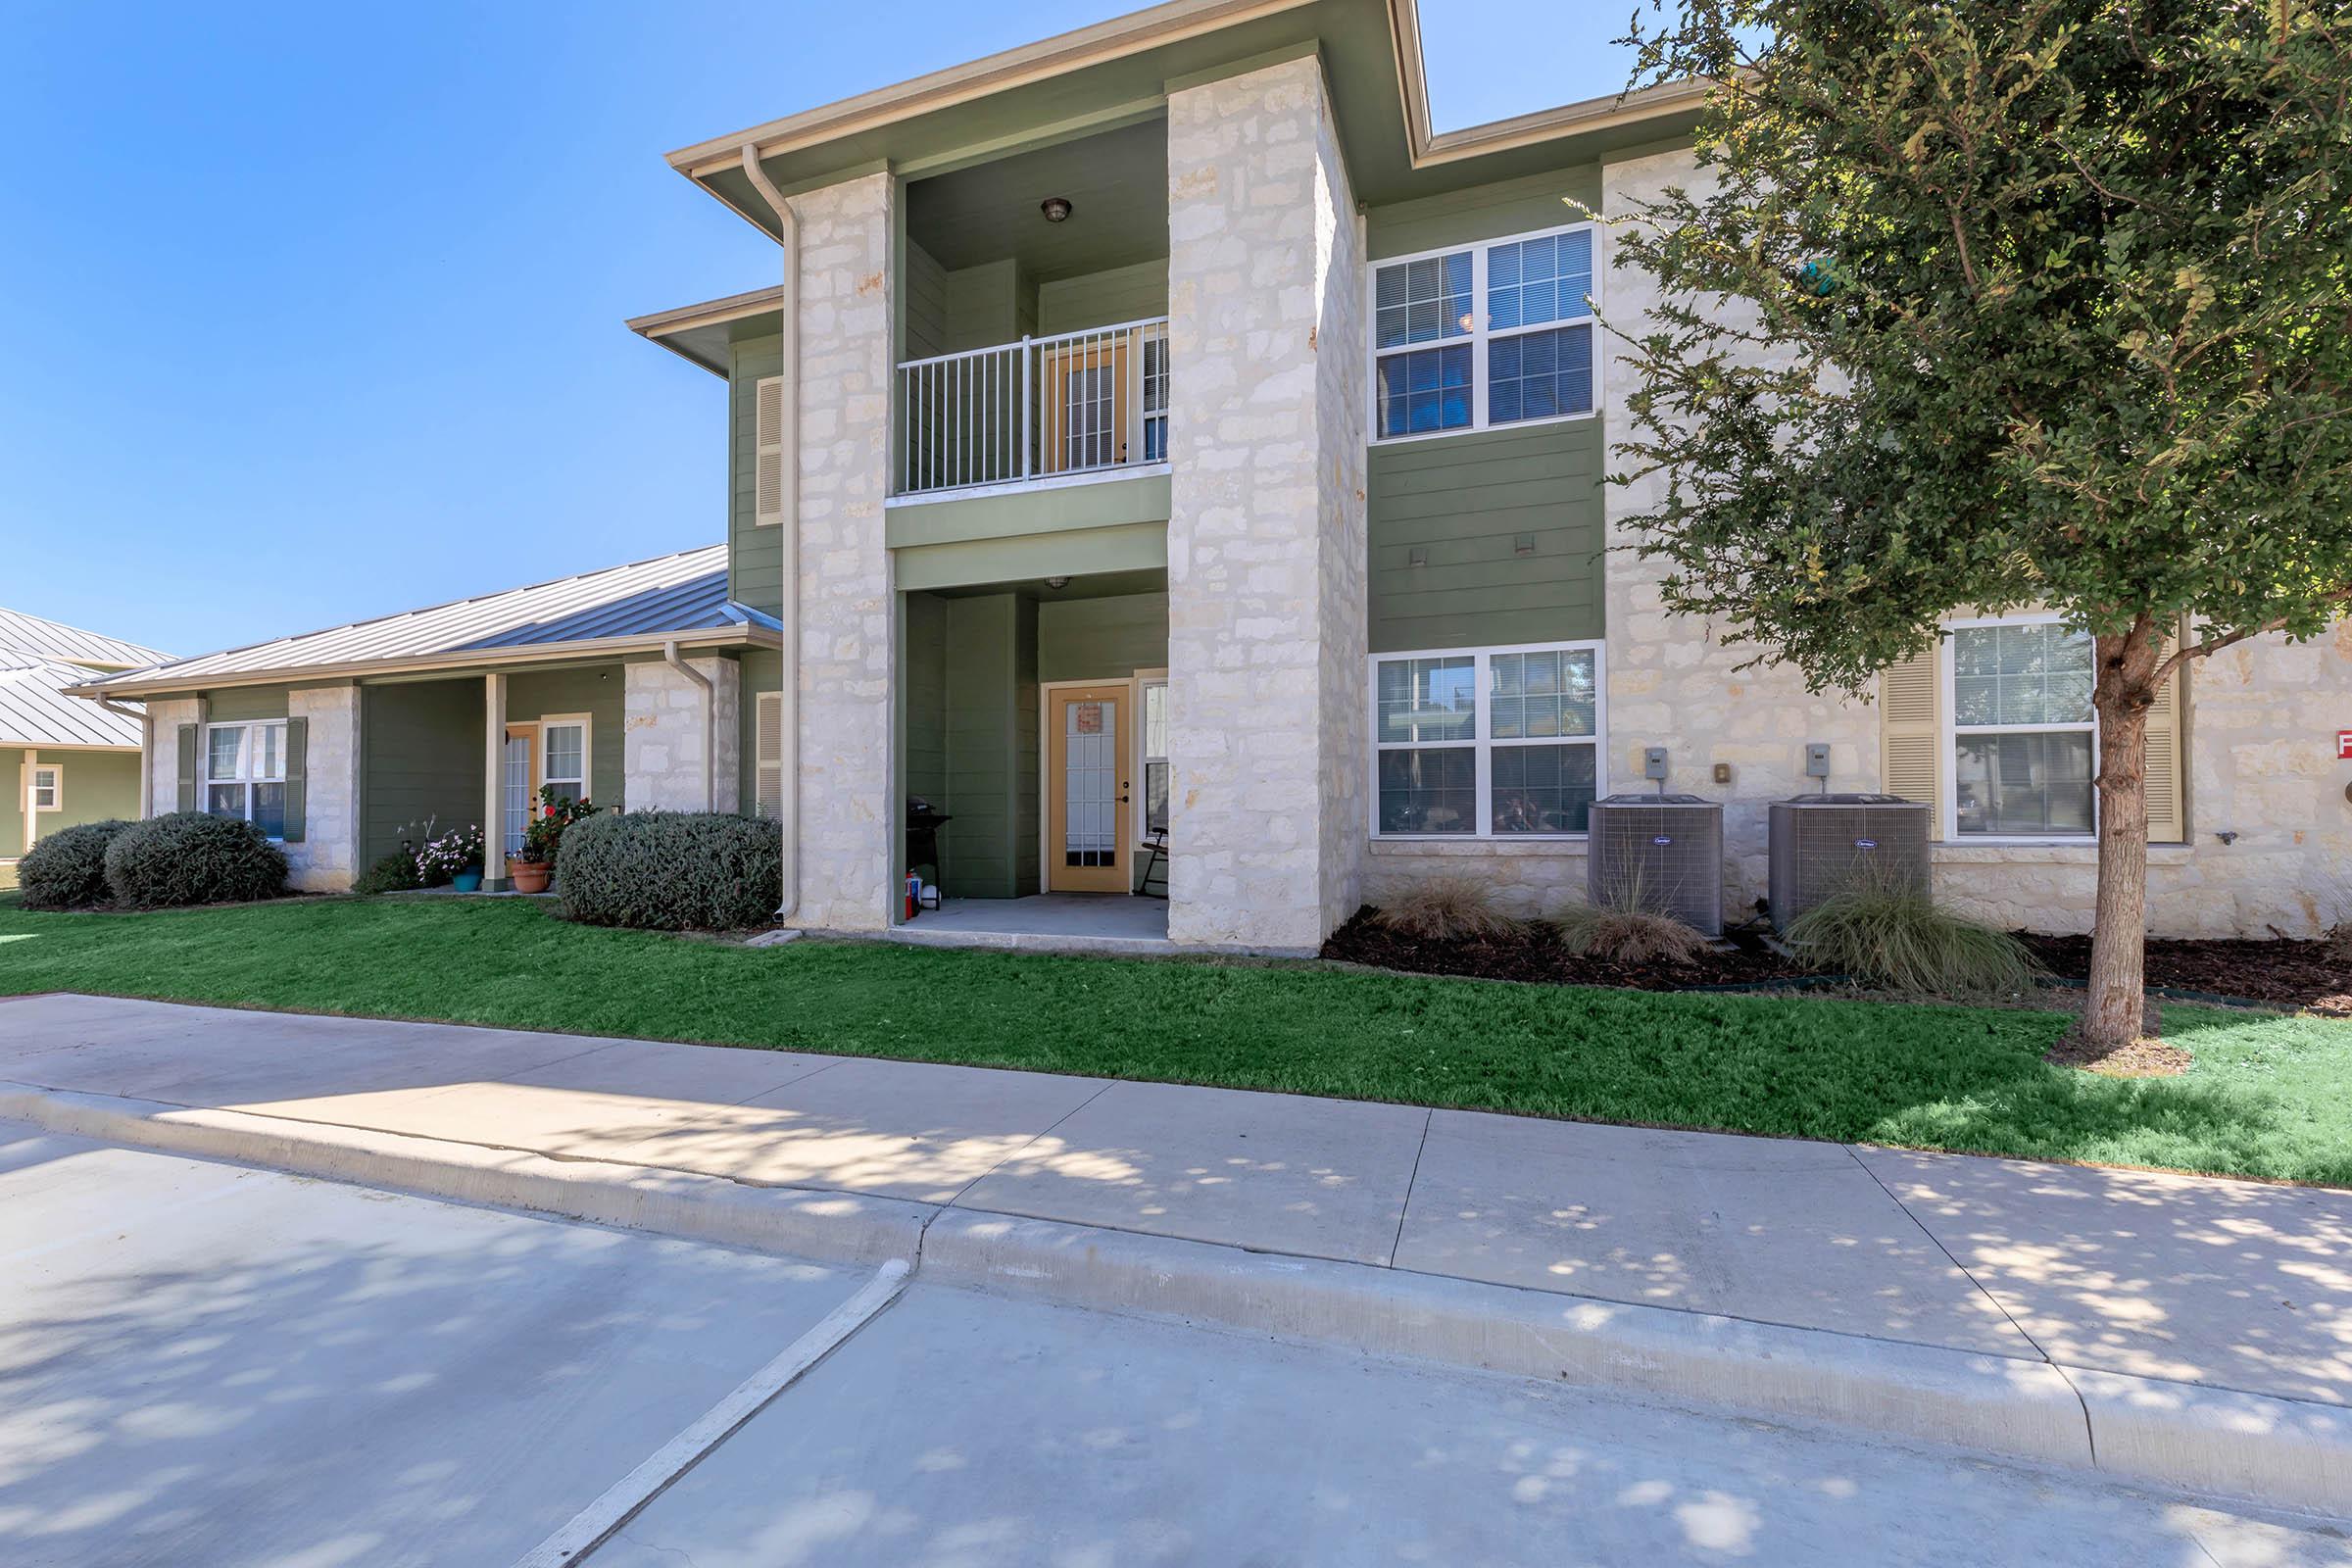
x,y
2114,1009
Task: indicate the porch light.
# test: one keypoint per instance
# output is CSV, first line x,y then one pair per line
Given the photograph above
x,y
1055,208
1058,583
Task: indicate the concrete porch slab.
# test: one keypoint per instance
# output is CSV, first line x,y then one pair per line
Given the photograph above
x,y
1050,923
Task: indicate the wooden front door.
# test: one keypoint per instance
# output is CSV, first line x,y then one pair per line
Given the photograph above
x,y
1087,815
1086,405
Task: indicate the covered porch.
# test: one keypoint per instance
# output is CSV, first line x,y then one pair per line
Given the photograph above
x,y
1034,725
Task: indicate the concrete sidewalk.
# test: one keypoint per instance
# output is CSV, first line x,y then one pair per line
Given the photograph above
x,y
2183,1329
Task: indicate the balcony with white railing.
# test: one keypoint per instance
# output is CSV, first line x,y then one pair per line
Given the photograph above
x,y
1042,410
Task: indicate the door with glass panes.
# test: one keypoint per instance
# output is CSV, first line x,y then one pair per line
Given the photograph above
x,y
1089,789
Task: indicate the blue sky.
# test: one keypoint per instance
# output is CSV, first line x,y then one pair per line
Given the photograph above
x,y
315,310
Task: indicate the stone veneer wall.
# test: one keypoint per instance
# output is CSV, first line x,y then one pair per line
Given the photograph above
x,y
662,736
848,817
328,857
163,762
2260,724
1266,530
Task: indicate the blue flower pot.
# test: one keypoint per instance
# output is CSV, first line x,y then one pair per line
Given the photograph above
x,y
469,881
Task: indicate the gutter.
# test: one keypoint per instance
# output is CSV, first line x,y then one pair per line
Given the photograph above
x,y
670,656
584,650
787,521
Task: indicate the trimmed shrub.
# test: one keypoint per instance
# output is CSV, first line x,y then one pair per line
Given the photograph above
x,y
1451,907
395,873
66,871
671,870
190,858
1889,933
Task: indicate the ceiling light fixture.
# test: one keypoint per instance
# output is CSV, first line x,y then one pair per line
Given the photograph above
x,y
1058,583
1055,208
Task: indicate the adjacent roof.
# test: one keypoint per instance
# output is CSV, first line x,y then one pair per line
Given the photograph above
x,y
680,597
29,638
34,709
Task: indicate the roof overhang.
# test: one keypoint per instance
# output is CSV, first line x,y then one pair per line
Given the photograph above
x,y
757,633
1102,74
702,334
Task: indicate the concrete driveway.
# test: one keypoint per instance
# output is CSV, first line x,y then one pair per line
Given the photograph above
x,y
202,1363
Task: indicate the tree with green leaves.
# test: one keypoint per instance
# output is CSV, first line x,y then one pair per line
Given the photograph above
x,y
1977,306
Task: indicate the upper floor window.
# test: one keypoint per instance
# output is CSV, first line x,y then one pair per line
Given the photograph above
x,y
2023,735
1484,335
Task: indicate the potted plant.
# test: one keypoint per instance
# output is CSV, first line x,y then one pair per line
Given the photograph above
x,y
530,870
457,857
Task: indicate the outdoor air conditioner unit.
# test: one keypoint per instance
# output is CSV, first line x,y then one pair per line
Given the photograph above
x,y
1822,842
1666,849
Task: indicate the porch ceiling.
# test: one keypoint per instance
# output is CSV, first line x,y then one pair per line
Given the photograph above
x,y
1117,184
1100,585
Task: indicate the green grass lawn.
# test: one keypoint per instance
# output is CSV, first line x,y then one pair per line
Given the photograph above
x,y
2269,1096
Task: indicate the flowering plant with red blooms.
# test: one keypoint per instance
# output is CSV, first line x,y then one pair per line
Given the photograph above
x,y
545,830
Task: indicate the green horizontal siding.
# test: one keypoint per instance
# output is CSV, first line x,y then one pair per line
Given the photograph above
x,y
755,554
1102,299
1102,639
1483,211
599,691
421,761
245,703
1467,502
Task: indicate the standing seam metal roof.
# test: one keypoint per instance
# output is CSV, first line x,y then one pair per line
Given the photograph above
x,y
31,638
676,593
35,712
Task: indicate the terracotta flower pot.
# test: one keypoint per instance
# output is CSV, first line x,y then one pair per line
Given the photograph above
x,y
529,876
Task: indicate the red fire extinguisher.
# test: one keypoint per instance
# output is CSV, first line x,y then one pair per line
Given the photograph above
x,y
915,894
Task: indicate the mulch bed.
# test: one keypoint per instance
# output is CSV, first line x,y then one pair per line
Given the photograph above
x,y
2305,976
1532,953
2298,976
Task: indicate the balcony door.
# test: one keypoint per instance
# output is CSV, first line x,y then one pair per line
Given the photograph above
x,y
1086,403
1089,817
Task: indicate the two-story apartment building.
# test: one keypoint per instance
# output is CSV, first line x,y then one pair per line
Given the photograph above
x,y
1161,429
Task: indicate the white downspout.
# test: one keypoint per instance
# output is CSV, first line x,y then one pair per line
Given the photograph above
x,y
670,656
788,604
146,750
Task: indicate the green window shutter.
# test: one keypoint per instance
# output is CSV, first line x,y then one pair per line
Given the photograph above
x,y
298,745
187,767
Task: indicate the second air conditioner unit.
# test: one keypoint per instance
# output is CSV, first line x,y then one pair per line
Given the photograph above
x,y
1821,844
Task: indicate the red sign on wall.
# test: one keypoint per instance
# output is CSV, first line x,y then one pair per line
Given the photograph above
x,y
2343,745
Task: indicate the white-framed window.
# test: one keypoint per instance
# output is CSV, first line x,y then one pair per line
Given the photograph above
x,y
245,773
564,755
1152,699
1477,337
1488,741
2022,738
45,787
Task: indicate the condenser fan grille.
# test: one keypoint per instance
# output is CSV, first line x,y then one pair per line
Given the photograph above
x,y
1664,852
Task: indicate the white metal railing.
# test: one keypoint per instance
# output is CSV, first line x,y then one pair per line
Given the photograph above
x,y
1045,407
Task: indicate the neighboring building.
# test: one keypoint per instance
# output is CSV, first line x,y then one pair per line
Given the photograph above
x,y
1161,424
63,760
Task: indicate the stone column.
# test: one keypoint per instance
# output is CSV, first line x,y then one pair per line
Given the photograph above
x,y
1266,545
161,795
327,856
662,736
848,824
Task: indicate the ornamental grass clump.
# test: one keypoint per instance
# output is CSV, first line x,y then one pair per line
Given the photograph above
x,y
671,870
188,858
1889,933
1628,926
1452,906
66,871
